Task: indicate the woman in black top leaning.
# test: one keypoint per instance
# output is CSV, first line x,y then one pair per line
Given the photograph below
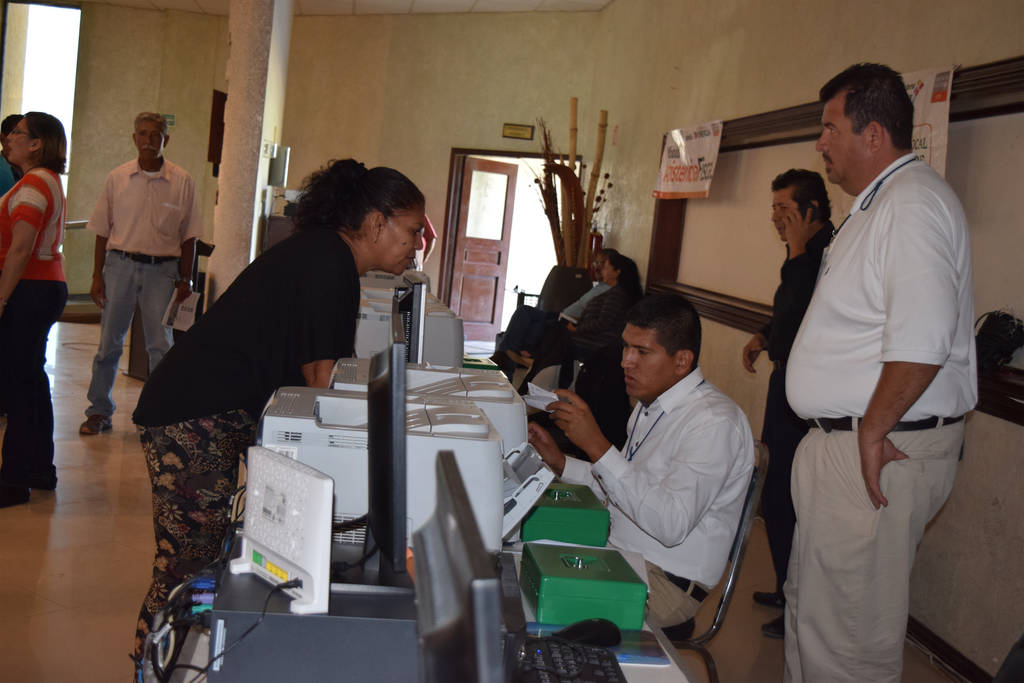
x,y
284,321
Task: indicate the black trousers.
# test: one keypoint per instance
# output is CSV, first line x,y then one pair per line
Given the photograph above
x,y
32,310
781,433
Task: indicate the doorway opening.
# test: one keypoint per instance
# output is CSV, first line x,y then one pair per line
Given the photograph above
x,y
497,240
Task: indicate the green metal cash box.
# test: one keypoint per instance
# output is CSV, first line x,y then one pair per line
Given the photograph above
x,y
564,584
569,513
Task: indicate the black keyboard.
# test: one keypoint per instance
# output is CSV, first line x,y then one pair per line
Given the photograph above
x,y
554,660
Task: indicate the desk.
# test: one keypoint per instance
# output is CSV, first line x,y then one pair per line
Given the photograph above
x,y
291,647
675,671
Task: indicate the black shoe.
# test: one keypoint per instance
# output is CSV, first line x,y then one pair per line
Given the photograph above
x,y
12,495
679,632
43,483
776,628
770,599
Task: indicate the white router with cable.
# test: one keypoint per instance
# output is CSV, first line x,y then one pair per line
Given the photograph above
x,y
287,527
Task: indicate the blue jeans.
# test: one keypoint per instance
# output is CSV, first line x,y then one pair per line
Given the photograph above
x,y
24,386
128,282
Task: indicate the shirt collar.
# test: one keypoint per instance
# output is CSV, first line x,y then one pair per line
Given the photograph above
x,y
679,394
870,186
162,171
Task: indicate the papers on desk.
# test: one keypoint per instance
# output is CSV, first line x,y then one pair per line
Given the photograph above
x,y
181,316
539,398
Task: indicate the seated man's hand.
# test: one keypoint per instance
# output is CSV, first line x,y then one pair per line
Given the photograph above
x,y
547,448
573,416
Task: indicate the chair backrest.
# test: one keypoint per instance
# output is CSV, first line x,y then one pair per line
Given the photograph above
x,y
739,543
563,286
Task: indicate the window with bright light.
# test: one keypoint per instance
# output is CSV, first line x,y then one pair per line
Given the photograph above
x,y
40,62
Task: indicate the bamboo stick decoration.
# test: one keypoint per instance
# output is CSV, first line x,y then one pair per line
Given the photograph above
x,y
566,206
595,175
549,198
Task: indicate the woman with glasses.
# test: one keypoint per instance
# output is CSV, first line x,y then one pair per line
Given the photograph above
x,y
32,296
284,321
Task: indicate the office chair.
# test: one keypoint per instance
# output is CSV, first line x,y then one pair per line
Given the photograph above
x,y
739,548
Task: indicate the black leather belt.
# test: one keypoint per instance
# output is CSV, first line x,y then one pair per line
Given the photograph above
x,y
691,588
143,258
845,424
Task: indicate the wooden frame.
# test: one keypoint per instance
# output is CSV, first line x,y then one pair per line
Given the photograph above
x,y
978,92
451,213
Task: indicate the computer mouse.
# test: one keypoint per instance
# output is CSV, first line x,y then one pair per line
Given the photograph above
x,y
600,632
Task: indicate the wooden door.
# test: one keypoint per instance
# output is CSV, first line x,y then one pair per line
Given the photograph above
x,y
481,246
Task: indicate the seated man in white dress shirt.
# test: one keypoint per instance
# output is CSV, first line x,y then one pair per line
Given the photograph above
x,y
676,491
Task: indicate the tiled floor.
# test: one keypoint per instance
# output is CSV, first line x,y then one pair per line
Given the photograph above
x,y
75,562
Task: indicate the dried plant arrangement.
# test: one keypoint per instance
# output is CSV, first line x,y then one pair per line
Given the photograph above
x,y
570,228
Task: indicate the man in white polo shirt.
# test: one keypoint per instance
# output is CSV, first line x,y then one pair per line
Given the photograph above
x,y
883,368
146,224
675,492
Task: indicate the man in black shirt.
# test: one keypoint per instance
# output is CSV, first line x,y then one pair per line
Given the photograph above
x,y
800,213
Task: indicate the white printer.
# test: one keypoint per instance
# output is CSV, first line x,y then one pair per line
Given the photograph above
x,y
327,430
490,390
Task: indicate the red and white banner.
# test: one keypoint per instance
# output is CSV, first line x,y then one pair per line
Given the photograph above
x,y
929,90
688,158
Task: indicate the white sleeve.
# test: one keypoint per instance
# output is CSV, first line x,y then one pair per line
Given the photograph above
x,y
919,282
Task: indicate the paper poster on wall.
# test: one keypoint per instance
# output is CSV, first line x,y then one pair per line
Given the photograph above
x,y
929,90
688,158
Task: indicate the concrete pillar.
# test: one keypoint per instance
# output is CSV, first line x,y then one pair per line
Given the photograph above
x,y
259,32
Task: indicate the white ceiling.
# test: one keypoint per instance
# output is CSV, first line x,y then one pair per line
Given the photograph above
x,y
322,7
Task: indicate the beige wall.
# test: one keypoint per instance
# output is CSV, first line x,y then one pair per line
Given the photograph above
x,y
402,91
14,57
133,60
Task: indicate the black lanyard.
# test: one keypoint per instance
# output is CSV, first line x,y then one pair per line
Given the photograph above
x,y
629,447
867,201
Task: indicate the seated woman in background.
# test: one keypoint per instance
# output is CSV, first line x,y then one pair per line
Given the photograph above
x,y
600,325
526,328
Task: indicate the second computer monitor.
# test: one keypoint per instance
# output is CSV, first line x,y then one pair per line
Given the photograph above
x,y
386,515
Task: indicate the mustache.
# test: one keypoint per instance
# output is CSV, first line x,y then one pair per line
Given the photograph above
x,y
826,157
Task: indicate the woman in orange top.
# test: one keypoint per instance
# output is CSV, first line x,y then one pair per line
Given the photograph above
x,y
32,295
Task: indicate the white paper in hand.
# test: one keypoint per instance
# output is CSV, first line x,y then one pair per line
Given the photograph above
x,y
539,398
181,316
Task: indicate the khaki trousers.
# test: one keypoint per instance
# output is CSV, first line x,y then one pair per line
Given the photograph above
x,y
847,593
667,604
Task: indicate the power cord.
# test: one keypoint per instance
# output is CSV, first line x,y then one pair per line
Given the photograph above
x,y
294,583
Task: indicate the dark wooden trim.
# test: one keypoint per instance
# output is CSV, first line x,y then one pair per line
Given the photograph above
x,y
451,218
948,656
978,91
1001,394
666,241
742,314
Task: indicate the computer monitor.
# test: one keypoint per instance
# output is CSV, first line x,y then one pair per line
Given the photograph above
x,y
458,592
410,304
386,513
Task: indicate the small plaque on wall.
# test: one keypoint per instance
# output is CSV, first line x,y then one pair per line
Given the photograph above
x,y
518,131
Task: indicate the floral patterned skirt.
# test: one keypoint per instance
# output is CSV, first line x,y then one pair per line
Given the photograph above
x,y
193,468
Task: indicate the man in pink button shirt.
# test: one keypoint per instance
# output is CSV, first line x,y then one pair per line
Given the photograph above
x,y
146,223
